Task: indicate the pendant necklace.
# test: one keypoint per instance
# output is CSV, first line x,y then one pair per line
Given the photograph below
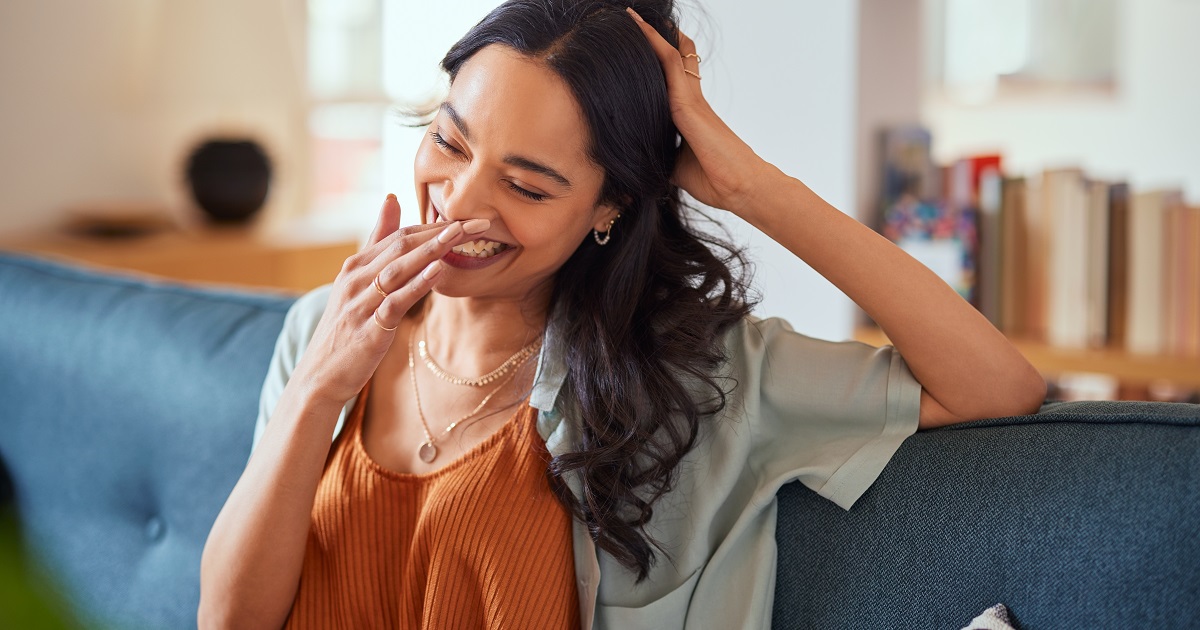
x,y
428,450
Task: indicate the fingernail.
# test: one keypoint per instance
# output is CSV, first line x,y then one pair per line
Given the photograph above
x,y
634,14
432,270
475,226
450,233
391,195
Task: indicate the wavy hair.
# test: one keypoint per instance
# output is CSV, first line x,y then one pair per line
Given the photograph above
x,y
644,315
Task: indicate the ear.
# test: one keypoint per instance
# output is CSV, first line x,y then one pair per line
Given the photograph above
x,y
605,215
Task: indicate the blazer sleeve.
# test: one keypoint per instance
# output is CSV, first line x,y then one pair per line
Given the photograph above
x,y
298,326
829,414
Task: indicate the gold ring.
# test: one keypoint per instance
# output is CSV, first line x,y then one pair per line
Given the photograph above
x,y
380,324
692,55
379,288
691,73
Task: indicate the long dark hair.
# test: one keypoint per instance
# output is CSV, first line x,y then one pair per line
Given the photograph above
x,y
643,315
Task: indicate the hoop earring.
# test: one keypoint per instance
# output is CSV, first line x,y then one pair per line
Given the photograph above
x,y
607,233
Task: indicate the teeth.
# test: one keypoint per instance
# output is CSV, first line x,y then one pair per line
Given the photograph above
x,y
479,248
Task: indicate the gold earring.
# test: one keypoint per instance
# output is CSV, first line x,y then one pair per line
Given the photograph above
x,y
607,233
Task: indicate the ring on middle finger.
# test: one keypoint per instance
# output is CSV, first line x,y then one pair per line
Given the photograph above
x,y
379,288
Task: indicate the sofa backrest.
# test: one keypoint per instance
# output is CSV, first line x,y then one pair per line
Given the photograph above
x,y
1082,516
128,409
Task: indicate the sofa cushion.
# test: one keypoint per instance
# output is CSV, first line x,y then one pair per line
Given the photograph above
x,y
1081,516
129,405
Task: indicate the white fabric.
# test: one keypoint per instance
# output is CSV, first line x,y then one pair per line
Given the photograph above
x,y
994,618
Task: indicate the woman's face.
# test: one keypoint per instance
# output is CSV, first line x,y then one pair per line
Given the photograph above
x,y
509,145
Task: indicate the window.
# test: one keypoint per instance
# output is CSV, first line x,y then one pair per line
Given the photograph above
x,y
983,49
365,59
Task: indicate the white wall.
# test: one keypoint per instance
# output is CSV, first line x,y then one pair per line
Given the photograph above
x,y
99,101
889,85
412,74
1148,134
782,75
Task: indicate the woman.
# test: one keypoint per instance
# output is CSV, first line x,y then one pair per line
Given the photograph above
x,y
549,405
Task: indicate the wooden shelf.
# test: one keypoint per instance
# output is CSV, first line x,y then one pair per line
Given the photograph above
x,y
1051,361
227,256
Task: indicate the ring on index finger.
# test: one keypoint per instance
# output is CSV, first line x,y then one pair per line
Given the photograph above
x,y
379,288
692,55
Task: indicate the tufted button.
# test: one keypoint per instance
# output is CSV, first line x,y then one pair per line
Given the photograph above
x,y
155,528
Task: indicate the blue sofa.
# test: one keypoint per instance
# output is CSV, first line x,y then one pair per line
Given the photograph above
x,y
128,409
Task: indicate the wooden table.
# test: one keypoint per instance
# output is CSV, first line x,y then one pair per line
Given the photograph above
x,y
209,255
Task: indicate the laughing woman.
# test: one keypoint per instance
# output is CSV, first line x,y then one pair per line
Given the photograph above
x,y
547,406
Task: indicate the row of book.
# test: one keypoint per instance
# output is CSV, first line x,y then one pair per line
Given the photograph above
x,y
1058,257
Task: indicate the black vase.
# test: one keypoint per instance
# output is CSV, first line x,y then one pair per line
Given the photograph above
x,y
229,179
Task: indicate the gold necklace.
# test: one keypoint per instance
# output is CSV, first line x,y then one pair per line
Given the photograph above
x,y
513,361
428,450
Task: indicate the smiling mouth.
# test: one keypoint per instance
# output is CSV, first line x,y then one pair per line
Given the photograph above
x,y
479,248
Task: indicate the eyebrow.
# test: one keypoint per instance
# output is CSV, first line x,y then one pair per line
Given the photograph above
x,y
514,160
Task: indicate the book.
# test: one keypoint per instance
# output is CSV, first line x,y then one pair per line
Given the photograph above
x,y
1118,263
1182,277
940,235
989,274
906,167
1192,285
1145,318
1033,313
1064,206
1098,195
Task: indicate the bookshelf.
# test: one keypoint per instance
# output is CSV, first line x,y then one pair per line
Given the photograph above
x,y
1128,368
1086,276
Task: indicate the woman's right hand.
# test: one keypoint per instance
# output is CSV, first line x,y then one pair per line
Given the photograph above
x,y
349,342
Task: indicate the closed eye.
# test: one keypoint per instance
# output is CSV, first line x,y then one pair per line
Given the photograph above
x,y
525,193
441,142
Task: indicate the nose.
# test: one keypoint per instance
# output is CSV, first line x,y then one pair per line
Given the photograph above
x,y
467,196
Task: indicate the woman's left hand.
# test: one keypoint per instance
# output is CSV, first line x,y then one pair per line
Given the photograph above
x,y
715,166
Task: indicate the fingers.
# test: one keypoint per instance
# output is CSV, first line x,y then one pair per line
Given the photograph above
x,y
412,253
413,273
393,307
687,52
399,265
407,239
400,241
670,58
389,221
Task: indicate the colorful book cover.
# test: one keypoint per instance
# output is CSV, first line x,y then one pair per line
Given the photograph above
x,y
939,235
906,167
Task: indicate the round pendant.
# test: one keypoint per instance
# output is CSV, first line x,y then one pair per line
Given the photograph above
x,y
427,452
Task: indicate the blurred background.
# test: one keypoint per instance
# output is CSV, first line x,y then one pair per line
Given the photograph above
x,y
1038,154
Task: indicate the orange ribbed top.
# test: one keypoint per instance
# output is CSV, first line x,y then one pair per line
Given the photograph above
x,y
480,543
